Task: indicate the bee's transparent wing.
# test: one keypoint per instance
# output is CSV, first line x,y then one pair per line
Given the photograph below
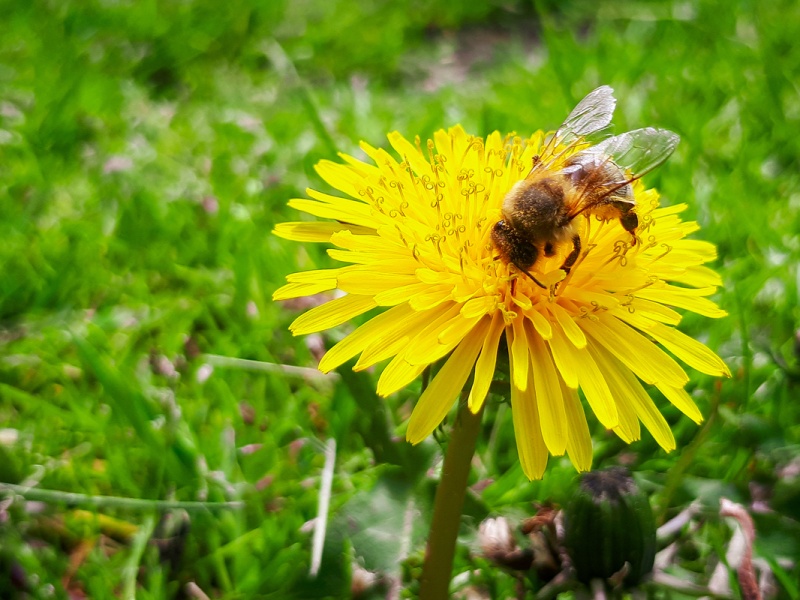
x,y
592,114
638,152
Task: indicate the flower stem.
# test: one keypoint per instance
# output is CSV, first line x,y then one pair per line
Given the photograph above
x,y
73,499
438,566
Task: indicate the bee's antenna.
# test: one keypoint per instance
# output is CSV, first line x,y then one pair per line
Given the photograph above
x,y
536,281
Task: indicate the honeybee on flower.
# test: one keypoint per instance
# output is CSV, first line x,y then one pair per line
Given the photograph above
x,y
540,211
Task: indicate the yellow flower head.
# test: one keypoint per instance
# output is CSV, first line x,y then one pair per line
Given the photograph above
x,y
416,232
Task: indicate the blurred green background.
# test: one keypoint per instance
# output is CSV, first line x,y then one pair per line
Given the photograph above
x,y
148,148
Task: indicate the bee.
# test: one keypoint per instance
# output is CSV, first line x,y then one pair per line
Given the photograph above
x,y
539,212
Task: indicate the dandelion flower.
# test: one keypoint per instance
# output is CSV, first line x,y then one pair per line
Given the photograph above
x,y
415,231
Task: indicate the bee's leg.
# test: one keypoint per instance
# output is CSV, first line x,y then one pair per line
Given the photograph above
x,y
572,256
531,255
629,219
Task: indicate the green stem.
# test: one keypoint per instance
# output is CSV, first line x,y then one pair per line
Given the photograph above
x,y
130,569
438,566
686,459
73,499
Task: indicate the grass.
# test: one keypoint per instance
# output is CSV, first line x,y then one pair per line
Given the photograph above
x,y
146,152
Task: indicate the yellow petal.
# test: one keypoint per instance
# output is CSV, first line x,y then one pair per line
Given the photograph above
x,y
432,296
432,277
367,172
344,210
638,353
444,145
689,350
485,365
477,307
363,336
665,211
361,258
369,283
548,394
594,299
579,440
540,323
410,329
438,397
409,153
628,429
341,177
296,290
568,325
566,357
642,403
380,349
695,276
336,200
378,245
458,328
371,151
658,312
425,347
395,338
690,250
523,301
518,343
315,276
653,311
701,277
527,430
681,400
635,318
331,314
596,390
400,294
315,231
398,374
316,281
648,413
686,298
404,367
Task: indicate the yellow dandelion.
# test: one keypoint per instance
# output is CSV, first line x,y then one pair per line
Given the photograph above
x,y
415,230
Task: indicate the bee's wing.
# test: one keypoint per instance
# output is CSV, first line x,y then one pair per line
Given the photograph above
x,y
592,114
636,152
